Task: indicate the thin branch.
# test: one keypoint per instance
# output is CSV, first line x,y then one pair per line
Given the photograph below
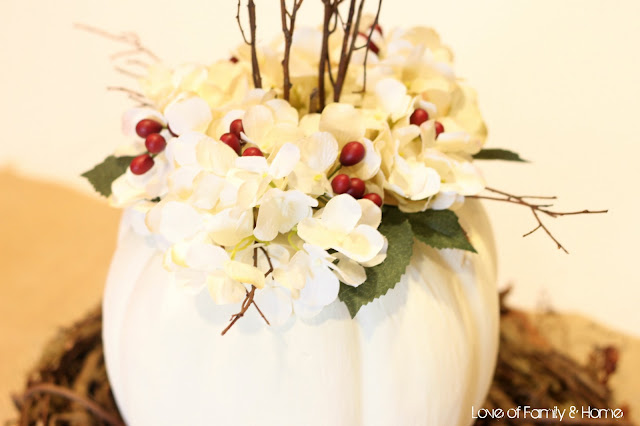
x,y
89,405
366,53
250,295
257,79
244,37
329,10
348,47
128,38
288,29
255,66
536,209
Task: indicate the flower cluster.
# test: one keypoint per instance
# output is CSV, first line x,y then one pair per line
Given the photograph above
x,y
243,189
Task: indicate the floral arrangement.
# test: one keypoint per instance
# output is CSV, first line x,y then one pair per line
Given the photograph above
x,y
301,171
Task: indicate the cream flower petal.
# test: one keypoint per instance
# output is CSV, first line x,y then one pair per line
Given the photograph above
x,y
181,180
206,190
362,244
275,304
244,273
309,181
189,280
349,272
392,97
183,148
319,151
309,124
443,199
458,142
314,232
290,278
378,258
206,257
341,213
179,221
257,122
123,193
230,226
321,288
215,156
280,211
224,290
343,121
284,161
371,213
188,114
252,164
283,112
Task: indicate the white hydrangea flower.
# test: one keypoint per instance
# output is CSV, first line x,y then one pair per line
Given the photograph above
x,y
343,227
280,211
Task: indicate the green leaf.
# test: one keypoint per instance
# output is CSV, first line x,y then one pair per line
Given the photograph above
x,y
385,276
439,229
102,175
498,154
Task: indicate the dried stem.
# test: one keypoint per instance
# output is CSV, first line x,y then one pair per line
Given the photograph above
x,y
345,58
329,11
73,396
287,29
255,66
368,46
250,295
536,209
127,38
345,53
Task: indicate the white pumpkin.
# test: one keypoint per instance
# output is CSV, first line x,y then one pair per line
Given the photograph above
x,y
421,355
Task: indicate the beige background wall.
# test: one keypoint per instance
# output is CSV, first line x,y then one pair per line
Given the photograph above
x,y
558,81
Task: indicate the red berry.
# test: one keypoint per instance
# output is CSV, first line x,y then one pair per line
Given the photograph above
x,y
147,126
341,184
233,60
141,164
372,46
439,128
236,127
418,117
252,151
352,154
375,198
155,143
232,141
357,188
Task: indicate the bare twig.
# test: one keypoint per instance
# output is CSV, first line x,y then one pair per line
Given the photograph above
x,y
536,209
244,37
287,29
345,51
368,46
73,396
127,38
255,66
329,10
348,47
250,295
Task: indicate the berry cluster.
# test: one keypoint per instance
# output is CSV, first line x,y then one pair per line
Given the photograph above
x,y
233,140
353,153
419,116
153,141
